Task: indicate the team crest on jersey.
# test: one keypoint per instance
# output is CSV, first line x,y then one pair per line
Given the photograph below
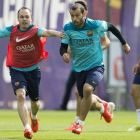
x,y
17,84
89,33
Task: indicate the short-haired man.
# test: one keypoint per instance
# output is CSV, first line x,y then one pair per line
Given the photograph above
x,y
83,37
25,51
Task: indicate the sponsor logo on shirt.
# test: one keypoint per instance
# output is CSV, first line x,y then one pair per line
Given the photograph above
x,y
89,33
83,42
18,40
25,48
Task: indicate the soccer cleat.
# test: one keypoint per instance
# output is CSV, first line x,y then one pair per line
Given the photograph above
x,y
135,128
106,114
77,129
111,107
71,127
34,124
28,134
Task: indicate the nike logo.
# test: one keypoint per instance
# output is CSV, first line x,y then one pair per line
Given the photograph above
x,y
73,34
94,82
18,40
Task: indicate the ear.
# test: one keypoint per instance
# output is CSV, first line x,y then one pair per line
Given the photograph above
x,y
31,18
85,13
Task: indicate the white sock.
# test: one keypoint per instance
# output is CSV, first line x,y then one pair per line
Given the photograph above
x,y
34,117
138,114
77,118
27,126
80,122
102,109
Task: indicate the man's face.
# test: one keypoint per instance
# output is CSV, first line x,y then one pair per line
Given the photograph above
x,y
24,19
77,17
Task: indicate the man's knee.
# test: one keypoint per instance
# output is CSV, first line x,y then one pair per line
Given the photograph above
x,y
134,93
88,89
20,95
35,104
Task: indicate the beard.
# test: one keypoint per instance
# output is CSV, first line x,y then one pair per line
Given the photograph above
x,y
79,24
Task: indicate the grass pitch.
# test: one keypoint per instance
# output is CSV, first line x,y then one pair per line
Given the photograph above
x,y
53,124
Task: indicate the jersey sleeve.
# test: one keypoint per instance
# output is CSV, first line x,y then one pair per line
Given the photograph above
x,y
103,27
101,34
6,31
40,30
67,39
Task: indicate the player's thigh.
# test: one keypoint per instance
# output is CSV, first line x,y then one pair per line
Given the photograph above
x,y
136,83
33,90
18,81
135,89
94,76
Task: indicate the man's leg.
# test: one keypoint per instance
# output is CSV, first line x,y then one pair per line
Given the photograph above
x,y
21,106
135,92
23,112
33,115
78,99
35,107
85,106
86,101
98,99
98,107
111,105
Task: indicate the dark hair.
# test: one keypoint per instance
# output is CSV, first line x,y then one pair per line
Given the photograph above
x,y
84,3
22,8
76,6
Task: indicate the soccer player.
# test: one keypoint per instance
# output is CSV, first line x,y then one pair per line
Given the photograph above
x,y
25,51
71,79
83,37
111,106
135,92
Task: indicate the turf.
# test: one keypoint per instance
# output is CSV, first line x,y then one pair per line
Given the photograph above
x,y
53,124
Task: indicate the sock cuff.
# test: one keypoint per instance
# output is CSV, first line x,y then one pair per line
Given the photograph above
x,y
81,122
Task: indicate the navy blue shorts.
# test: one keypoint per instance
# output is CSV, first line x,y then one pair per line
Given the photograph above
x,y
29,80
137,77
92,77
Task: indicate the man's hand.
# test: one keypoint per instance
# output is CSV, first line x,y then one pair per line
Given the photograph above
x,y
53,33
60,38
126,48
66,57
61,35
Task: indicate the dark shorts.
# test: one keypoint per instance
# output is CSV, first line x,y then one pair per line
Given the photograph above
x,y
30,81
92,77
137,77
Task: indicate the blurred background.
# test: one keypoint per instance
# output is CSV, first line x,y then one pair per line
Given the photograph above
x,y
54,14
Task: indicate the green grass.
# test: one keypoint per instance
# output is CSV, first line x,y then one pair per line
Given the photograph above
x,y
53,124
